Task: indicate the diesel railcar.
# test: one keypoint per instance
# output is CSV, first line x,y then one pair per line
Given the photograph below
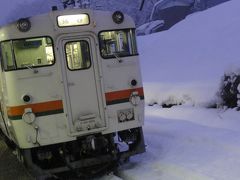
x,y
71,90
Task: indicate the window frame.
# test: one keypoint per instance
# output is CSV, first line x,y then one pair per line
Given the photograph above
x,y
121,56
14,57
2,59
90,55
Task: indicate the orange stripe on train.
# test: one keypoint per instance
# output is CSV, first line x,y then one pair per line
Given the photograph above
x,y
123,94
36,108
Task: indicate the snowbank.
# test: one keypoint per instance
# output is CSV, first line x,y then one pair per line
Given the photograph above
x,y
190,59
185,143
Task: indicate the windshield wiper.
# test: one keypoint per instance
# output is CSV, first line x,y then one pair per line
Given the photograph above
x,y
30,67
117,57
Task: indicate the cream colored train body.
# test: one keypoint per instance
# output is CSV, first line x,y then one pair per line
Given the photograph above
x,y
71,89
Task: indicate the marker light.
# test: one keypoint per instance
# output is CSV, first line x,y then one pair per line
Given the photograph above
x,y
28,116
125,115
122,116
134,98
118,17
73,20
129,115
23,25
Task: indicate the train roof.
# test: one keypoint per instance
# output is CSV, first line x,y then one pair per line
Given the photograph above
x,y
48,24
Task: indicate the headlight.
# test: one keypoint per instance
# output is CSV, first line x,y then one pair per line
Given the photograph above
x,y
28,116
134,98
129,115
125,115
118,17
122,117
23,25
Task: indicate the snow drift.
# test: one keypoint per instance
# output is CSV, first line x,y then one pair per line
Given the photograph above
x,y
185,64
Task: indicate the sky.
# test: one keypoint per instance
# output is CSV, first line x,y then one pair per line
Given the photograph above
x,y
8,9
7,6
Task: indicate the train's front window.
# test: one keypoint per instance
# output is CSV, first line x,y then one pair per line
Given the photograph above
x,y
118,43
78,55
27,53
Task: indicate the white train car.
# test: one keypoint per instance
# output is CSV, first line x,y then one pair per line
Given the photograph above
x,y
71,89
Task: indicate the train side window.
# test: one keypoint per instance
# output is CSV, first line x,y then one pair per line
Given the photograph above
x,y
27,53
78,55
33,52
118,43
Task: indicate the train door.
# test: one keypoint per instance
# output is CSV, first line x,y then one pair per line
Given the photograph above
x,y
82,85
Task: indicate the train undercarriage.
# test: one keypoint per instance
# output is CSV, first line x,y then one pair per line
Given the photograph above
x,y
87,157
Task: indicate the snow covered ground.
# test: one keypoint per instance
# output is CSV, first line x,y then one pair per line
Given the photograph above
x,y
185,143
185,64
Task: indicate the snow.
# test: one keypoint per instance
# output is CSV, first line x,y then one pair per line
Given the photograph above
x,y
149,28
163,4
186,64
192,56
185,143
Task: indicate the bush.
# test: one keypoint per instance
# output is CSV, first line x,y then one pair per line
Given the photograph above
x,y
229,90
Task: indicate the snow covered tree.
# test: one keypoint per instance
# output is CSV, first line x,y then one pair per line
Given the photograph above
x,y
238,97
230,90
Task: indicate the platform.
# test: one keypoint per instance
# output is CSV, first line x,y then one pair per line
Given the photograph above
x,y
10,167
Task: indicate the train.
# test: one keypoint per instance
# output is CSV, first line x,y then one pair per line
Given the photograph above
x,y
71,94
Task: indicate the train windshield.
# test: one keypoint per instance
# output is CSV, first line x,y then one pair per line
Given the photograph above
x,y
78,55
118,43
27,53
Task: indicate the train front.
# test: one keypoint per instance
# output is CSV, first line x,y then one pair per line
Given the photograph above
x,y
72,92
